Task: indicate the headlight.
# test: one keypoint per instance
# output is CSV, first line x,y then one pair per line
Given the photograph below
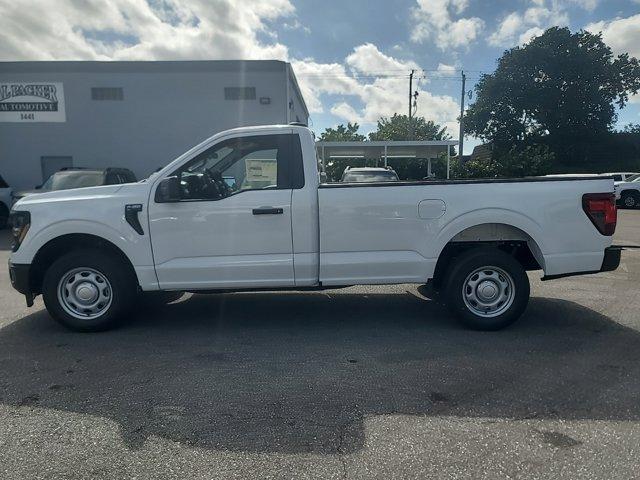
x,y
20,223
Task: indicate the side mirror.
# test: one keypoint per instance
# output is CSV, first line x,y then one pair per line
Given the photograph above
x,y
323,177
38,187
168,190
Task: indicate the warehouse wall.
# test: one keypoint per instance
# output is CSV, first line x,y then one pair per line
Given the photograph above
x,y
161,115
297,108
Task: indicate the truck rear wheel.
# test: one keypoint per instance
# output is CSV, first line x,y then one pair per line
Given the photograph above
x,y
88,290
487,289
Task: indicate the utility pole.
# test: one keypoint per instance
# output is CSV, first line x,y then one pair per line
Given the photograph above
x,y
461,135
410,107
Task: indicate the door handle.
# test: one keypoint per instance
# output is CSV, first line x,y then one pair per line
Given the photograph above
x,y
268,211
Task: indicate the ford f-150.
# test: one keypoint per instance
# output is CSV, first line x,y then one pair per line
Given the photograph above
x,y
245,210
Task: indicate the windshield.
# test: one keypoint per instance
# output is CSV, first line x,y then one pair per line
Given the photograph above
x,y
370,177
633,178
67,180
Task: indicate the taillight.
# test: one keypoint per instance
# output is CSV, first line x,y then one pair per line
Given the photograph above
x,y
601,210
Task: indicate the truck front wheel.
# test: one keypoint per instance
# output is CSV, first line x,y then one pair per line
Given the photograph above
x,y
487,289
88,290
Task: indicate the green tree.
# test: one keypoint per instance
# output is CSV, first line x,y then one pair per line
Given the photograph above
x,y
518,161
397,128
342,133
631,128
560,87
349,133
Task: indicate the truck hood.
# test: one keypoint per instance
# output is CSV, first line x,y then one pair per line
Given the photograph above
x,y
84,194
23,193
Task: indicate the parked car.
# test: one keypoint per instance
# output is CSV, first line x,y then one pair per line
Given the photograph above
x,y
5,202
89,252
69,178
628,193
621,176
368,174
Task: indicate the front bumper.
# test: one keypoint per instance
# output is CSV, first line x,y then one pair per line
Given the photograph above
x,y
610,262
19,275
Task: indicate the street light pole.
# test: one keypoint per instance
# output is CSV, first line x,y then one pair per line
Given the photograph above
x,y
410,107
461,134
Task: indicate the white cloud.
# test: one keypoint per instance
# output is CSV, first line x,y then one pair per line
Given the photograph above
x,y
507,30
367,59
434,21
517,28
316,79
379,95
223,29
621,34
526,36
203,29
588,5
446,70
347,112
296,25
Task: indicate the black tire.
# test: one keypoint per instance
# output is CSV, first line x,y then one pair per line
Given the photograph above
x,y
499,273
630,199
122,292
4,216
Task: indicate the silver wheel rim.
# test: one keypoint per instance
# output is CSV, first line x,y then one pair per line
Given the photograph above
x,y
488,291
84,293
629,201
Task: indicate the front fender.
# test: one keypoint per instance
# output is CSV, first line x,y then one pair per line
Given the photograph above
x,y
134,246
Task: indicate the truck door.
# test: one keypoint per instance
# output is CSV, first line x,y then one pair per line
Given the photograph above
x,y
231,227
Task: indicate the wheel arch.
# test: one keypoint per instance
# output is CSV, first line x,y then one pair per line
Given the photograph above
x,y
504,236
58,246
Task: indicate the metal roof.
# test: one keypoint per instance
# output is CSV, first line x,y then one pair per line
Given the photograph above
x,y
419,149
147,66
409,149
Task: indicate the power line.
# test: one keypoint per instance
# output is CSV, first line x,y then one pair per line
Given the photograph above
x,y
376,76
398,73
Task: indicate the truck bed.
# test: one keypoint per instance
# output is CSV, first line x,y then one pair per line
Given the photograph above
x,y
394,232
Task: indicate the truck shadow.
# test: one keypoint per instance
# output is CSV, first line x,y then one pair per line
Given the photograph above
x,y
300,372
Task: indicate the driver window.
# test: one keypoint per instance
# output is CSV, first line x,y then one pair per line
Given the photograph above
x,y
235,165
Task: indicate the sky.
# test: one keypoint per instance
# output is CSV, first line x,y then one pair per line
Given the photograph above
x,y
352,58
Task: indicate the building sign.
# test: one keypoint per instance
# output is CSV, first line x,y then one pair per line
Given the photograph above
x,y
32,102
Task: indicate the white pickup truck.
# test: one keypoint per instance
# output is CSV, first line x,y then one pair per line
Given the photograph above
x,y
245,210
628,192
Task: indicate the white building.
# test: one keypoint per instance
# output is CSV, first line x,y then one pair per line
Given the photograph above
x,y
138,115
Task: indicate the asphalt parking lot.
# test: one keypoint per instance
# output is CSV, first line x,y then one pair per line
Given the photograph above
x,y
365,382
